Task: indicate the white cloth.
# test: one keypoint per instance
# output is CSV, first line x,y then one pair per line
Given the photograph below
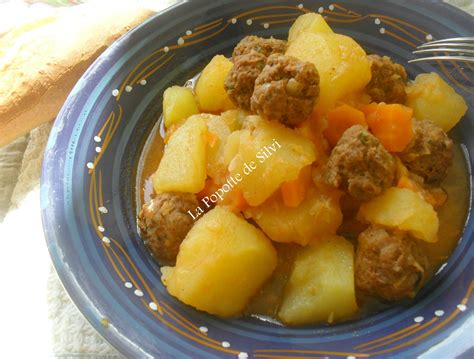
x,y
37,318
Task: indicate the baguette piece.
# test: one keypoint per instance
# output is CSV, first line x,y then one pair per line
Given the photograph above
x,y
40,62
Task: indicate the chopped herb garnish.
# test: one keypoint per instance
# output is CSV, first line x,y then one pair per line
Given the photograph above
x,y
363,138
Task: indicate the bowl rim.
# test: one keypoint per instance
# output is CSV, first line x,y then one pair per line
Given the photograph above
x,y
61,118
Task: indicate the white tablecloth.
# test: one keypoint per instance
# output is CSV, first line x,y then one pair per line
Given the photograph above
x,y
37,318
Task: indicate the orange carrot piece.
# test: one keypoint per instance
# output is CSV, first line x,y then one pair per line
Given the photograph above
x,y
434,196
392,124
235,200
294,192
369,109
340,119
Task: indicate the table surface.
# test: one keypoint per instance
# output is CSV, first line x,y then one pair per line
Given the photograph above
x,y
35,308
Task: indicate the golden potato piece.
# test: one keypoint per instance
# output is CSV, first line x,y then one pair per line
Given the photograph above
x,y
318,215
222,263
434,100
183,166
265,154
321,286
310,22
178,105
219,131
405,210
342,64
210,92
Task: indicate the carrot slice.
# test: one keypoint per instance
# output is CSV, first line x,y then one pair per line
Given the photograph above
x,y
235,200
340,119
392,124
294,192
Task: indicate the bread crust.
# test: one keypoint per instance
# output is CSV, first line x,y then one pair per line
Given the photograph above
x,y
40,65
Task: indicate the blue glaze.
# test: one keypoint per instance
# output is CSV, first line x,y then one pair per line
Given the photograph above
x,y
81,259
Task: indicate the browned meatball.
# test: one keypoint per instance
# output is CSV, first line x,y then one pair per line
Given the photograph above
x,y
240,81
259,44
389,264
360,165
430,152
164,222
388,80
286,90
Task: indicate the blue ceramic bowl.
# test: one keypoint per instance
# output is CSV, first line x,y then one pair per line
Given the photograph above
x,y
89,183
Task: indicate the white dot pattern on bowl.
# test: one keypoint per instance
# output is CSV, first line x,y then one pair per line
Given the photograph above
x,y
153,305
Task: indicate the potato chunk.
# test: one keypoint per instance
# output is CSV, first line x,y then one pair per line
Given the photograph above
x,y
342,64
183,166
321,285
219,131
221,264
178,105
318,215
234,118
210,92
402,209
265,154
434,100
310,22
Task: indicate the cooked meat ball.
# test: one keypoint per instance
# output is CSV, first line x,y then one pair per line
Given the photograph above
x,y
388,80
259,44
360,165
389,264
430,152
286,90
164,222
240,81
